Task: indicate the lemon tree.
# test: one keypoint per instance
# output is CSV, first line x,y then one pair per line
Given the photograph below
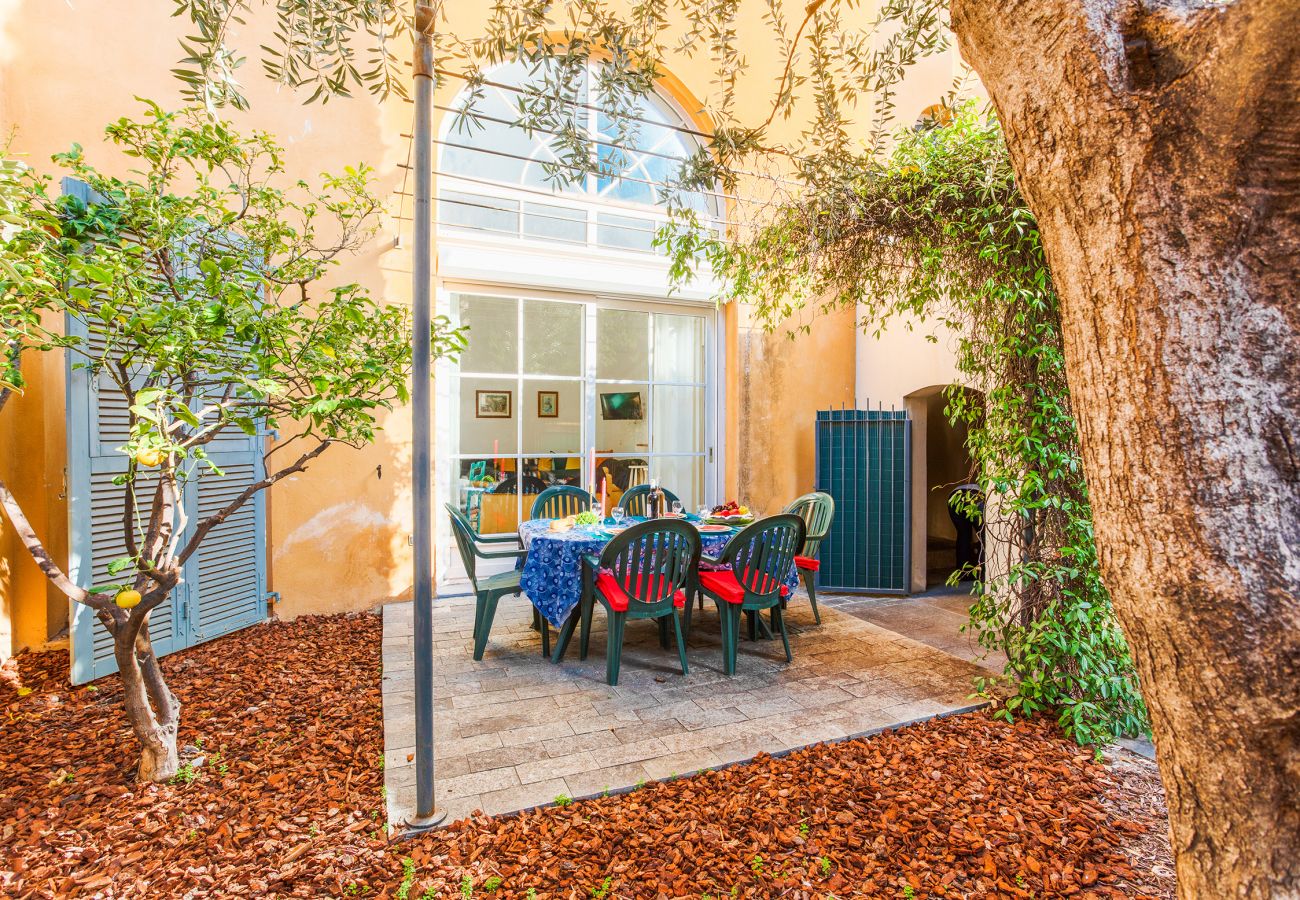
x,y
201,280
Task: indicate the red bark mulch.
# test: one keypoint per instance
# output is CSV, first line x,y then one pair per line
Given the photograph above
x,y
961,807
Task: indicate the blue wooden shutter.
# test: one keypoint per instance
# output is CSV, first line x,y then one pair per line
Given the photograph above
x,y
224,582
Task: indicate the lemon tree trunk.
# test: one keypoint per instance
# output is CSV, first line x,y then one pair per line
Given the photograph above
x,y
151,708
1158,144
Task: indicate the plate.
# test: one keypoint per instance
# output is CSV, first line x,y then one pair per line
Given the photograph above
x,y
713,529
730,520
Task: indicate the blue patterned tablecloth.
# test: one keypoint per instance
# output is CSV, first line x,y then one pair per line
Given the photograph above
x,y
552,571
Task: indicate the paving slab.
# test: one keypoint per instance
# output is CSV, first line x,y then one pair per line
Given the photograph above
x,y
516,731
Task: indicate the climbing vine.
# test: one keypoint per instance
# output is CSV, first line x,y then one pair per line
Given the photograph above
x,y
937,229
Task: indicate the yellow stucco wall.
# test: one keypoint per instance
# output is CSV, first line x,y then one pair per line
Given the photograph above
x,y
338,534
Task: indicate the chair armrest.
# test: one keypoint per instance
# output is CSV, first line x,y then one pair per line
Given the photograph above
x,y
593,560
499,554
496,538
709,560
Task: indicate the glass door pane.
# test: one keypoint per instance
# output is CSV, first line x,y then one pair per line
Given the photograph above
x,y
622,425
679,349
678,419
622,344
493,337
553,338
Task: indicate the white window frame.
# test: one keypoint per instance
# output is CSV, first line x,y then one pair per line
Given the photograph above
x,y
446,374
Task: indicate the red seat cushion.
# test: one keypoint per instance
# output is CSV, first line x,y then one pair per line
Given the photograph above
x,y
724,585
618,598
808,562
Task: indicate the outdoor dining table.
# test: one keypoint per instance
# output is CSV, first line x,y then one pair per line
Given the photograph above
x,y
552,570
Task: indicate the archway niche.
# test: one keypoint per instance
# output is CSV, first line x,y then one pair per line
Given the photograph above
x,y
940,463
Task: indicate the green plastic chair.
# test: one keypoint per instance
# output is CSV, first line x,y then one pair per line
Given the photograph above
x,y
560,501
758,560
643,573
634,499
817,511
490,589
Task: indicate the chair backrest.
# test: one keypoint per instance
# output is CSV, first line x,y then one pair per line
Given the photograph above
x,y
653,560
817,511
762,554
560,501
633,501
464,534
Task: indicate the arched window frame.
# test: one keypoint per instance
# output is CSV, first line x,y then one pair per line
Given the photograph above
x,y
586,215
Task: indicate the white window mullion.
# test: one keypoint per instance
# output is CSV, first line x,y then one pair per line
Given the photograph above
x,y
590,346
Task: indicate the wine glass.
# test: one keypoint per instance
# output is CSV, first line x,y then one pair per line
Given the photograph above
x,y
677,508
617,515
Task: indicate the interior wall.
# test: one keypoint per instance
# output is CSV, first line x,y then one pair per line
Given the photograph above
x,y
947,465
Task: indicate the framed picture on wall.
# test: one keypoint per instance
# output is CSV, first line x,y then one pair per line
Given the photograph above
x,y
548,404
492,404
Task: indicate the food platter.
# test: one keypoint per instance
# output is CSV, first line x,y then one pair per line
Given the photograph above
x,y
731,521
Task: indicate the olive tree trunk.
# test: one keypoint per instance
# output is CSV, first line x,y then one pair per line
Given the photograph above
x,y
1158,143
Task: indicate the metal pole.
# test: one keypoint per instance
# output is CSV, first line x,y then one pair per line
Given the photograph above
x,y
422,434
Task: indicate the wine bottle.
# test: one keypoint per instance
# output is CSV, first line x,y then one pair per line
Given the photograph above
x,y
652,501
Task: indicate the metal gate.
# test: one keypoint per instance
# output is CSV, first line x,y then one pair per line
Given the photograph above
x,y
224,585
864,462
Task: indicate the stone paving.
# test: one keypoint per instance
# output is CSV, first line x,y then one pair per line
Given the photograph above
x,y
515,731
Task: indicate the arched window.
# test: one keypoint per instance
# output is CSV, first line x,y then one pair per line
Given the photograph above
x,y
496,177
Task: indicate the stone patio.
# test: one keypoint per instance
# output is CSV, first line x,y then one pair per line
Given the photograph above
x,y
515,731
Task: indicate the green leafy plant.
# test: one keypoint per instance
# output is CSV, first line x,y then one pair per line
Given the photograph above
x,y
196,288
599,893
408,879
492,884
467,888
938,229
824,863
908,892
187,773
563,800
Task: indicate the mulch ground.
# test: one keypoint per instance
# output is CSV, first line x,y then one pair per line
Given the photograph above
x,y
288,802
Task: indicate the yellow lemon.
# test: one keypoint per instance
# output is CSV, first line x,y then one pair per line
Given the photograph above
x,y
148,457
128,599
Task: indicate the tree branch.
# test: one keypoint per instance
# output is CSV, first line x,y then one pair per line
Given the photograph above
x,y
42,557
809,11
212,521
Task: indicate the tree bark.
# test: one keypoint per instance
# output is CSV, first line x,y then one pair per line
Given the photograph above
x,y
151,707
1158,143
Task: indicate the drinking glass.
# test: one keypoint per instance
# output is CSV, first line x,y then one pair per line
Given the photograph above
x,y
705,511
677,507
617,514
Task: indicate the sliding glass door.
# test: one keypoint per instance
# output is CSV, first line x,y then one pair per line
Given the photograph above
x,y
550,387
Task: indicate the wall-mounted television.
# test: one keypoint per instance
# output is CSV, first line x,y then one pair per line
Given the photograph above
x,y
626,405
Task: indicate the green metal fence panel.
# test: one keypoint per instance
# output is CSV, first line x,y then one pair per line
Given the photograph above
x,y
864,462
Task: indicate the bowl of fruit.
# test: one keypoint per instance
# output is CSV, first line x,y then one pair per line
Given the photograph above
x,y
730,513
